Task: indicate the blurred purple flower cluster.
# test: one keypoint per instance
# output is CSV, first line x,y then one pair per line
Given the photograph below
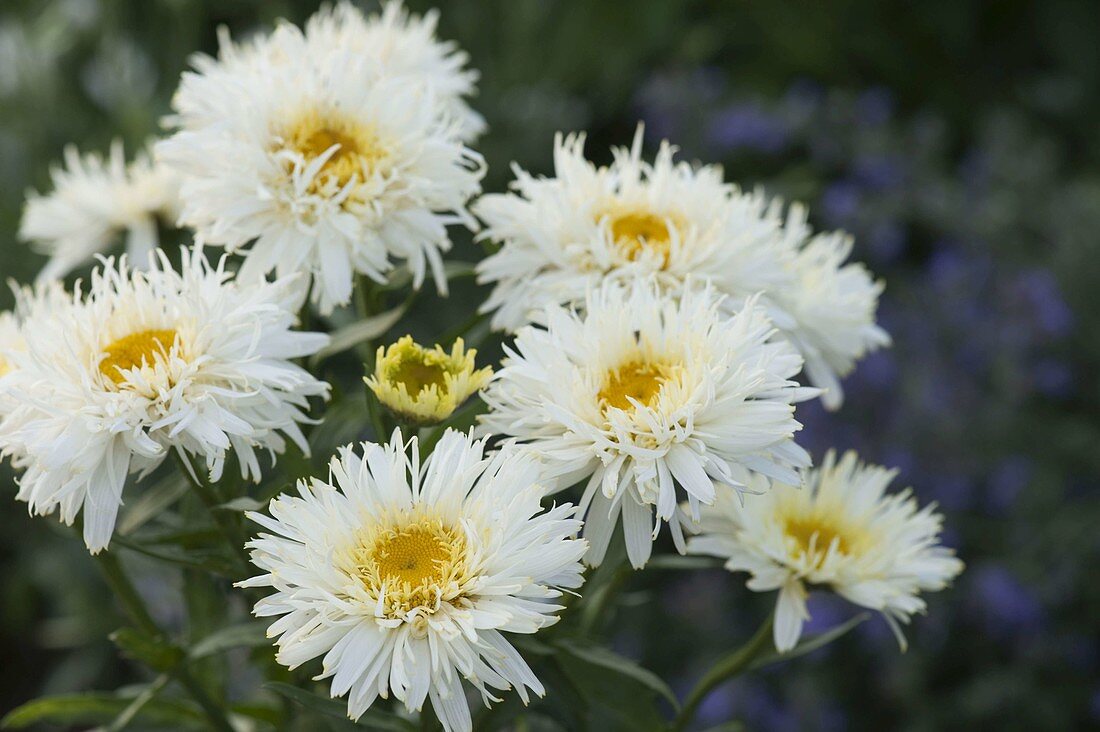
x,y
982,377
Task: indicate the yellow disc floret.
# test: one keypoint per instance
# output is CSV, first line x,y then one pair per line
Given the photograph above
x,y
136,350
358,150
636,232
412,563
425,386
637,380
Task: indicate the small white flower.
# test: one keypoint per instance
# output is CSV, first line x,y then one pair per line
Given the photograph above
x,y
145,362
840,530
94,202
831,305
642,394
405,45
405,578
316,155
680,224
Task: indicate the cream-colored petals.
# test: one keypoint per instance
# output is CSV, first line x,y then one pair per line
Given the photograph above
x,y
683,226
114,377
404,576
841,531
308,153
646,398
96,202
425,386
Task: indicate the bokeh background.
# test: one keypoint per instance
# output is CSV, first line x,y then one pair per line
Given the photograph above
x,y
958,142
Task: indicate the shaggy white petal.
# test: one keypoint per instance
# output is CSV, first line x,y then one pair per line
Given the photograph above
x,y
648,396
94,203
332,150
108,381
684,226
840,530
402,576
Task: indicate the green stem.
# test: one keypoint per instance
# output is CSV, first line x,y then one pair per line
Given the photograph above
x,y
124,590
724,670
139,615
212,501
214,712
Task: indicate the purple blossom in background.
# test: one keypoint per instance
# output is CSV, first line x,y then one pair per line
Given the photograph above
x,y
840,203
748,126
1000,604
1007,480
1053,378
1040,292
886,241
874,107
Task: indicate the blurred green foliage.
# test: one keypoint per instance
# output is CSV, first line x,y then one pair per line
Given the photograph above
x,y
990,401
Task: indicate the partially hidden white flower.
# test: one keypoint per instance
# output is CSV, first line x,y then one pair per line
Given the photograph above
x,y
310,153
647,396
110,380
840,530
95,201
406,46
405,578
681,224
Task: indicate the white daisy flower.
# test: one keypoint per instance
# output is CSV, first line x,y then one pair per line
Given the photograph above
x,y
405,45
405,578
320,159
400,44
831,306
840,530
563,235
93,203
144,362
643,394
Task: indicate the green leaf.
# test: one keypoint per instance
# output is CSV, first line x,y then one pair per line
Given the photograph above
x,y
402,278
99,708
611,661
677,562
374,719
216,563
147,695
811,644
250,634
242,504
156,653
362,330
151,503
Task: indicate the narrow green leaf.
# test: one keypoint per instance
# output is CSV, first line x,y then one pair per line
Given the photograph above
x,y
810,644
402,278
242,504
362,330
157,653
147,695
214,563
250,634
373,719
99,708
685,563
152,502
611,661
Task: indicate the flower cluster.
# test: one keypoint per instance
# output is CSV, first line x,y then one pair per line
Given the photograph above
x,y
664,327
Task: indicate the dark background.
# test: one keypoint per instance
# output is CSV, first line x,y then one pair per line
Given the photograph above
x,y
956,140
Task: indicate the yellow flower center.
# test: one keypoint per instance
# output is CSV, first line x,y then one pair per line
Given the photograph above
x,y
817,531
417,374
637,380
359,150
640,231
136,350
412,565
